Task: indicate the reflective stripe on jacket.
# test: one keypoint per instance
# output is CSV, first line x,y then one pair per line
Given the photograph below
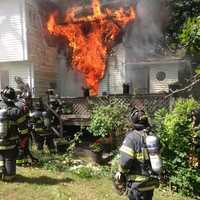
x,y
134,159
7,147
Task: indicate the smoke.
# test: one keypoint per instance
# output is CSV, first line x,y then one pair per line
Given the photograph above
x,y
144,36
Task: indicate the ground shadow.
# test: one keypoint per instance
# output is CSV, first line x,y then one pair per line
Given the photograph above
x,y
41,180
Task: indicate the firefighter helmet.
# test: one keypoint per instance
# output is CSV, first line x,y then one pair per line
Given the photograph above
x,y
139,119
8,94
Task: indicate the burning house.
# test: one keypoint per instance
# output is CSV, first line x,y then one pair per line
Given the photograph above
x,y
131,61
70,46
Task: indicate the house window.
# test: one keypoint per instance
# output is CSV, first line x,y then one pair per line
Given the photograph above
x,y
161,76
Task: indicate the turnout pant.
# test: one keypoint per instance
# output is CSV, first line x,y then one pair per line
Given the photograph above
x,y
24,154
8,163
137,195
136,192
23,147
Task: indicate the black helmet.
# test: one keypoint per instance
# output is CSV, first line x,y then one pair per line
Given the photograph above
x,y
8,94
139,119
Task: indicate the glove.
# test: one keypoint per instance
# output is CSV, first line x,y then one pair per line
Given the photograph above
x,y
119,182
118,176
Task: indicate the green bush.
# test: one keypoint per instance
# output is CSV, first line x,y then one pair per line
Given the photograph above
x,y
109,119
176,134
190,36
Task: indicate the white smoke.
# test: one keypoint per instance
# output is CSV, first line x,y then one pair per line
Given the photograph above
x,y
145,33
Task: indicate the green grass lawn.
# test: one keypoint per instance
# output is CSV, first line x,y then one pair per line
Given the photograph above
x,y
41,184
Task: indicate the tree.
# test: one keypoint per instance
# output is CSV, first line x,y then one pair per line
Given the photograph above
x,y
181,11
190,36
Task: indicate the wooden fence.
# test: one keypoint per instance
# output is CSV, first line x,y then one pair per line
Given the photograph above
x,y
81,107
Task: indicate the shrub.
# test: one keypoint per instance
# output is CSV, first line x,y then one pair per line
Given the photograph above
x,y
177,135
109,119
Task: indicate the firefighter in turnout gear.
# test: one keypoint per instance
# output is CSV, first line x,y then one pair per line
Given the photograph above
x,y
9,121
194,158
138,173
25,156
42,128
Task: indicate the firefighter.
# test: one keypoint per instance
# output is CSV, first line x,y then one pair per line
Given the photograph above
x,y
42,128
9,120
136,176
195,114
25,156
194,159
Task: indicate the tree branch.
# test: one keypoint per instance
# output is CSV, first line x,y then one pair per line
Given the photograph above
x,y
195,79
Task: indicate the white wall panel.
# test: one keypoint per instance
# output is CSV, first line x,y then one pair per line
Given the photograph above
x,y
13,42
171,72
115,74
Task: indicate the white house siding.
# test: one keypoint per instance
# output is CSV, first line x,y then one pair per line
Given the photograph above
x,y
171,71
43,57
115,72
11,69
13,39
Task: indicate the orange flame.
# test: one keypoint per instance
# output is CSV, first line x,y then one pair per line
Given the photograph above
x,y
91,38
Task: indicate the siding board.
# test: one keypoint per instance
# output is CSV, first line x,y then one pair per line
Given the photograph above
x,y
171,72
42,56
12,33
115,72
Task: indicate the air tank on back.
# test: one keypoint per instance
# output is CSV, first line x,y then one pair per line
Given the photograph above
x,y
152,143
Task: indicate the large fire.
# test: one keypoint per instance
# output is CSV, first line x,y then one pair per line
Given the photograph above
x,y
91,38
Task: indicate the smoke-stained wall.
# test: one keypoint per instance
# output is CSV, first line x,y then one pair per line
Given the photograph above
x,y
69,81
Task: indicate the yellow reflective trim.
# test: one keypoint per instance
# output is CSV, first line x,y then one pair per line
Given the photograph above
x,y
146,188
21,119
1,163
7,147
39,129
138,178
22,161
23,132
142,155
127,150
145,154
139,156
13,138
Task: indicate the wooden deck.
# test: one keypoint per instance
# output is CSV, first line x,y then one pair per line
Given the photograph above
x,y
75,119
